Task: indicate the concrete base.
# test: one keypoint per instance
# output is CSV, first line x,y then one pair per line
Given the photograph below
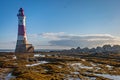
x,y
24,48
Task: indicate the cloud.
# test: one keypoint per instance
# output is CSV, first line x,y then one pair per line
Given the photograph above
x,y
63,40
53,36
72,40
8,45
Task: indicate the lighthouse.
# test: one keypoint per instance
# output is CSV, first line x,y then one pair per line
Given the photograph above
x,y
22,44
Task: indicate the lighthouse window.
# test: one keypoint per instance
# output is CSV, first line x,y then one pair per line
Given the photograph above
x,y
20,21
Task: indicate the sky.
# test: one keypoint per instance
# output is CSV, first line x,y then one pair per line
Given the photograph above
x,y
61,24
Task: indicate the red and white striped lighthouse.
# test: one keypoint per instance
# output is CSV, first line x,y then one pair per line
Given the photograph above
x,y
22,44
22,38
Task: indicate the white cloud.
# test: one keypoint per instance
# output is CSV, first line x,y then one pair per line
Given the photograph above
x,y
72,40
8,45
63,40
53,36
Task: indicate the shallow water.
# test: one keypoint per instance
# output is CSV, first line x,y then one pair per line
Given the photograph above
x,y
113,77
77,66
35,64
39,55
9,76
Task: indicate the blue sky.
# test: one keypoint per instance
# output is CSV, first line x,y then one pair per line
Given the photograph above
x,y
48,21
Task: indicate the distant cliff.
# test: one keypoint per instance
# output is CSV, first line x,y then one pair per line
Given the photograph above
x,y
103,49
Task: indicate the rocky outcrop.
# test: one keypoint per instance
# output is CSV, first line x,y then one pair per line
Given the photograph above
x,y
24,48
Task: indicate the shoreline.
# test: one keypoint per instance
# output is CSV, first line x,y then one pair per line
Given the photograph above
x,y
4,73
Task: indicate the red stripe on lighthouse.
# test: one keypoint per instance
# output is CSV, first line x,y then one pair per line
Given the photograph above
x,y
21,30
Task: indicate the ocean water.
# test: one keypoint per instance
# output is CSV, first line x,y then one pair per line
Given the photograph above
x,y
7,50
41,50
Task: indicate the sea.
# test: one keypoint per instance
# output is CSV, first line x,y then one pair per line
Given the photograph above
x,y
7,50
36,50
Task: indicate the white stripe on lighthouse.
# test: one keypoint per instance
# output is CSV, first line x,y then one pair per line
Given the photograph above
x,y
20,37
21,20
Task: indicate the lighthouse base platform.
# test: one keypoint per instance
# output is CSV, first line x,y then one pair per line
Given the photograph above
x,y
24,48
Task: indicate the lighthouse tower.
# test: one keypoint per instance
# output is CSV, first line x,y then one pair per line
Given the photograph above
x,y
22,44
